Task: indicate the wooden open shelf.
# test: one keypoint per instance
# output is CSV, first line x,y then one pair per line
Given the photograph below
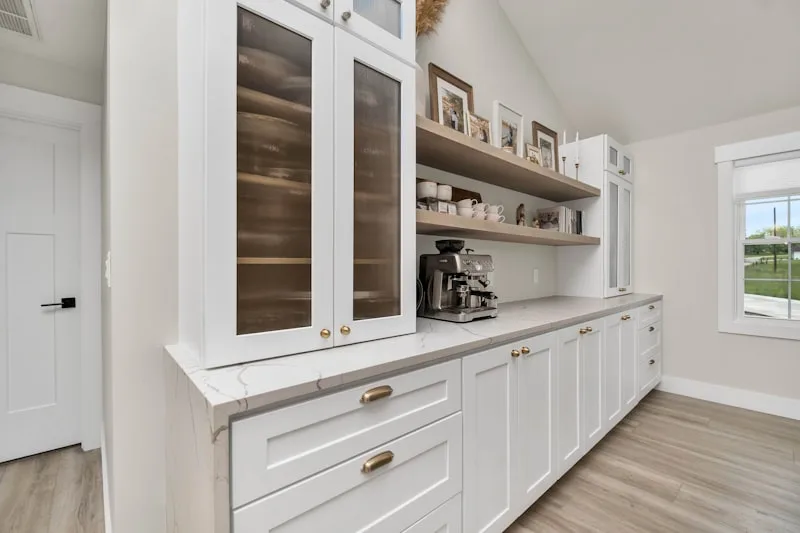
x,y
430,223
446,149
299,261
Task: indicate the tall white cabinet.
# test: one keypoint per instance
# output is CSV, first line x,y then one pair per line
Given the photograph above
x,y
289,241
604,271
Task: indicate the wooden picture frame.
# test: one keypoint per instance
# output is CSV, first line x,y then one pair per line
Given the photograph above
x,y
550,151
438,78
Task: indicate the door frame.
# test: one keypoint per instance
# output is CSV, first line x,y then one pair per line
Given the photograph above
x,y
42,108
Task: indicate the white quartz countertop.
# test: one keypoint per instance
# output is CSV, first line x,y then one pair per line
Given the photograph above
x,y
234,389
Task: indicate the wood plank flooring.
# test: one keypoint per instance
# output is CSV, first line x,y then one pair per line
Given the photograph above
x,y
679,465
55,492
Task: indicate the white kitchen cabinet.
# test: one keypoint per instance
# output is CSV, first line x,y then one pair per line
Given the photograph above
x,y
570,412
389,24
591,348
618,256
490,428
619,368
649,371
445,519
265,87
535,450
630,368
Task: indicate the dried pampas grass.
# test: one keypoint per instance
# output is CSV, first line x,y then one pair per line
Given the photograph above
x,y
429,14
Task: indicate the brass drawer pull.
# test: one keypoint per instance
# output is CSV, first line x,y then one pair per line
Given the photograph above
x,y
622,289
382,459
525,350
583,331
588,329
651,307
626,317
514,353
384,391
652,361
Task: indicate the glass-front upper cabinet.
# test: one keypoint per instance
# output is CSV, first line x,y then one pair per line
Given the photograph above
x,y
375,216
390,24
618,253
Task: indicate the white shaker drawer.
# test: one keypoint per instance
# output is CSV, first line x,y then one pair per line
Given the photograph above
x,y
275,449
650,313
445,519
423,473
649,337
649,370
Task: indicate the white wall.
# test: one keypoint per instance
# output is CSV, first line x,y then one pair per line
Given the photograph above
x,y
476,42
48,77
676,254
142,234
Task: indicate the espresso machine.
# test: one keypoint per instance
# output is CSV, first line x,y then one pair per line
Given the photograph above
x,y
456,286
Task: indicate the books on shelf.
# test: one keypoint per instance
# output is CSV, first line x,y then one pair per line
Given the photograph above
x,y
561,218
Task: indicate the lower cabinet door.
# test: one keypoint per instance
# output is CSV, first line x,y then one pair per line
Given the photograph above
x,y
649,371
490,421
385,490
591,344
569,398
535,451
630,366
445,519
612,370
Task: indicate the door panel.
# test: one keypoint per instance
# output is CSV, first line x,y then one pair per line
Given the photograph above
x,y
612,369
629,354
374,217
569,399
39,264
591,344
490,418
389,24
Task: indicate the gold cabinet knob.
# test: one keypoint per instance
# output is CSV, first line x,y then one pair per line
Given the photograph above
x,y
514,353
582,331
344,330
525,350
651,307
588,329
325,333
626,317
622,289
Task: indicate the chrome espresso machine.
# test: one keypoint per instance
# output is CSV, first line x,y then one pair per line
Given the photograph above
x,y
456,285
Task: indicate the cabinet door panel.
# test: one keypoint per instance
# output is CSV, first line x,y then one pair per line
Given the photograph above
x,y
629,363
612,370
269,160
569,399
490,417
618,251
535,449
445,519
591,344
389,24
375,220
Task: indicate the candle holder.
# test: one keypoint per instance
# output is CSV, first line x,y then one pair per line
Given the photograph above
x,y
564,164
577,166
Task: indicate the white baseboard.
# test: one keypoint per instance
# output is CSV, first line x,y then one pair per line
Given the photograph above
x,y
753,401
106,490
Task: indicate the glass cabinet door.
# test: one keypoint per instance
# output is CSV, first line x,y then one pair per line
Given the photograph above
x,y
612,256
618,254
280,166
375,216
390,24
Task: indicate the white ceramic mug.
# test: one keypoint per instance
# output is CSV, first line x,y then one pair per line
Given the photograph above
x,y
444,192
480,215
465,212
426,189
495,218
466,204
481,207
495,210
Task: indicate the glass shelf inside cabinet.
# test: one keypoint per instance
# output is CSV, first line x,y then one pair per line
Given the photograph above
x,y
274,177
376,210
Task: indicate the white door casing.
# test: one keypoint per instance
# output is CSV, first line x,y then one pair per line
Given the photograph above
x,y
61,123
39,264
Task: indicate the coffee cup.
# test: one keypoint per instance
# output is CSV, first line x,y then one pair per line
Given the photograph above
x,y
495,218
495,210
481,207
427,189
466,204
480,215
465,212
444,192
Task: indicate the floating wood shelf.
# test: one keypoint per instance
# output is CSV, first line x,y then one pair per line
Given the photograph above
x,y
430,223
299,261
446,149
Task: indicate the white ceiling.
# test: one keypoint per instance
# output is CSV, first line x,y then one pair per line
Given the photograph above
x,y
71,33
639,69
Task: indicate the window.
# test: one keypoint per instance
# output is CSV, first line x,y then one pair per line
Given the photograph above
x,y
759,237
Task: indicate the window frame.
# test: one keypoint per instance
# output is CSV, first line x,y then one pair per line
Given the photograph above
x,y
731,235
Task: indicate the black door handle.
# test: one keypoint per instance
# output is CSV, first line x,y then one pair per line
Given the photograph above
x,y
65,303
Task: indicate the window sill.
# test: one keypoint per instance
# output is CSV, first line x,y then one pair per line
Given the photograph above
x,y
774,329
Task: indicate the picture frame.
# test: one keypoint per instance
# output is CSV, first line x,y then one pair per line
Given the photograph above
x,y
547,141
479,128
533,154
507,128
451,99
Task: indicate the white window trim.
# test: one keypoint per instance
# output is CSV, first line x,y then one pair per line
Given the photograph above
x,y
730,288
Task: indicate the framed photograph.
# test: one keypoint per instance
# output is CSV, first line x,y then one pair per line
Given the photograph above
x,y
547,141
479,128
507,129
451,99
533,154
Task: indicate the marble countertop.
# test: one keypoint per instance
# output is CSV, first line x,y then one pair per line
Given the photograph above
x,y
234,389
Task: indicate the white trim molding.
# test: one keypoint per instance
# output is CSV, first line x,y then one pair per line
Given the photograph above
x,y
17,102
778,144
745,399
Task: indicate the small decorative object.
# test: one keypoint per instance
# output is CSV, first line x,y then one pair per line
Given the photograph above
x,y
507,128
547,141
451,99
521,215
577,154
534,154
427,189
429,14
479,128
535,223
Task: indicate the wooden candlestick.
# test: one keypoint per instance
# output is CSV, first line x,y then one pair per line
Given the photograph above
x,y
564,164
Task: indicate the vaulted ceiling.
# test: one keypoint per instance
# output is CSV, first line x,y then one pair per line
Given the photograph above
x,y
639,69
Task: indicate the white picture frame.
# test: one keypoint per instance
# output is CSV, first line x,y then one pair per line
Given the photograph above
x,y
458,112
504,123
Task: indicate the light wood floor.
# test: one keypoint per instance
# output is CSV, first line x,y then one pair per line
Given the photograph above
x,y
55,492
680,465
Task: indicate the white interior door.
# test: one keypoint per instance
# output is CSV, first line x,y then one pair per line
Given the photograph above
x,y
39,265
